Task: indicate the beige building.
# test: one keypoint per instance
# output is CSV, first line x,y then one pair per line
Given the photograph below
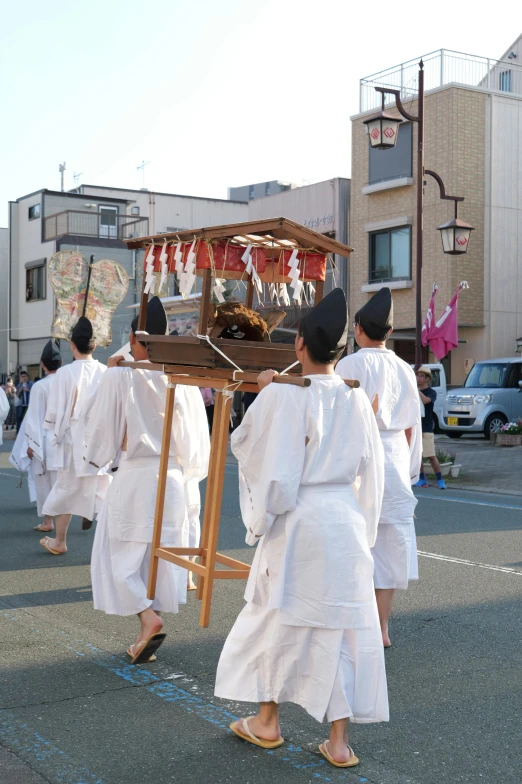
x,y
473,140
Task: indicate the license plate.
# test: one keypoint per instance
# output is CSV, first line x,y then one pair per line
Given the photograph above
x,y
453,421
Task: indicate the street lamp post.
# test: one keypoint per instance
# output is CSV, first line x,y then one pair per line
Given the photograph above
x,y
383,131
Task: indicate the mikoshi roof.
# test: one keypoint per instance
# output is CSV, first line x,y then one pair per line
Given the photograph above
x,y
272,233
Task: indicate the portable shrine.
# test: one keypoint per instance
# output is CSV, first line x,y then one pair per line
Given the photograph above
x,y
280,261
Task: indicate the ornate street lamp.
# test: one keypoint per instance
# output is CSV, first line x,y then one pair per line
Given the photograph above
x,y
383,129
455,233
455,236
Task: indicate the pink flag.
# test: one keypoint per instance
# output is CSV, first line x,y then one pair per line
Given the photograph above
x,y
429,321
444,335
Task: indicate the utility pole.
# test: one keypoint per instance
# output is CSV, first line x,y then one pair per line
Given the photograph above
x,y
142,167
61,169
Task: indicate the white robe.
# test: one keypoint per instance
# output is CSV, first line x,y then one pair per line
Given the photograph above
x,y
4,412
132,402
41,469
381,372
75,491
311,483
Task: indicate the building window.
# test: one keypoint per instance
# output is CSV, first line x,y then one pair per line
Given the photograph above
x,y
135,210
390,255
34,211
505,81
35,280
251,193
395,162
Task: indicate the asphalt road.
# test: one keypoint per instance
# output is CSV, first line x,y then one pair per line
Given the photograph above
x,y
73,711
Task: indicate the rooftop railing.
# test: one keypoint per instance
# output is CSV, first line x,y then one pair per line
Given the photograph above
x,y
105,225
441,68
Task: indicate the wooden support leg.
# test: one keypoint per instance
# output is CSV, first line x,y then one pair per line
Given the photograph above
x,y
214,450
160,497
205,302
319,291
249,299
214,499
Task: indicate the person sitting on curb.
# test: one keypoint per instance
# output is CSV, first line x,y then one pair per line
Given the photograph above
x,y
428,397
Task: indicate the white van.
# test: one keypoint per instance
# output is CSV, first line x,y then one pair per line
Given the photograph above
x,y
438,383
490,397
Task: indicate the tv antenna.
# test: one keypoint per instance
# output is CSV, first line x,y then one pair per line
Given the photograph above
x,y
142,167
76,177
61,169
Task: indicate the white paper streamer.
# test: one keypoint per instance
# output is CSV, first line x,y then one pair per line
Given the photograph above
x,y
149,270
164,267
219,288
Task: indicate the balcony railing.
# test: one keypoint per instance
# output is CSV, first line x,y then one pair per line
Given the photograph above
x,y
106,225
441,68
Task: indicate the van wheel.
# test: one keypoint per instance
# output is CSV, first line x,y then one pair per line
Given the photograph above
x,y
452,434
436,427
493,423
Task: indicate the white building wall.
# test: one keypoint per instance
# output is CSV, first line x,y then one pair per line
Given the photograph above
x,y
29,319
505,206
311,205
170,212
4,300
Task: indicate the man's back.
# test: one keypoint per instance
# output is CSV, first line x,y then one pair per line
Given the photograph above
x,y
381,372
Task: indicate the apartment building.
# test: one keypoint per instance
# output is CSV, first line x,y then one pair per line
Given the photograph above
x,y
473,140
93,220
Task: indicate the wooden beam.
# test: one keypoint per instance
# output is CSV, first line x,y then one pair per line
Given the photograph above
x,y
213,499
229,574
233,563
160,497
282,228
249,299
205,302
319,291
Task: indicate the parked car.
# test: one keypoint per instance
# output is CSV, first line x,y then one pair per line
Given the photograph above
x,y
438,383
490,397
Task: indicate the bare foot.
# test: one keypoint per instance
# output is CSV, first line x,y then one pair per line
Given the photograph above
x,y
386,639
53,544
151,623
339,751
270,731
191,585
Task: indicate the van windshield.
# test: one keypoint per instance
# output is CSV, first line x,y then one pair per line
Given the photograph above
x,y
487,375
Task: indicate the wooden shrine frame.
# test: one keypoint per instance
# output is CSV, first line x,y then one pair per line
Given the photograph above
x,y
191,361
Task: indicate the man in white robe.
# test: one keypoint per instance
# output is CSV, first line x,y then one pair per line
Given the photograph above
x,y
75,492
390,385
32,451
127,421
311,481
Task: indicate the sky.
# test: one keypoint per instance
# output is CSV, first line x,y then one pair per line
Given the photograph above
x,y
214,93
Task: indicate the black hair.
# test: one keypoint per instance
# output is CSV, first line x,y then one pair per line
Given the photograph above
x,y
373,332
317,357
134,328
53,365
84,345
